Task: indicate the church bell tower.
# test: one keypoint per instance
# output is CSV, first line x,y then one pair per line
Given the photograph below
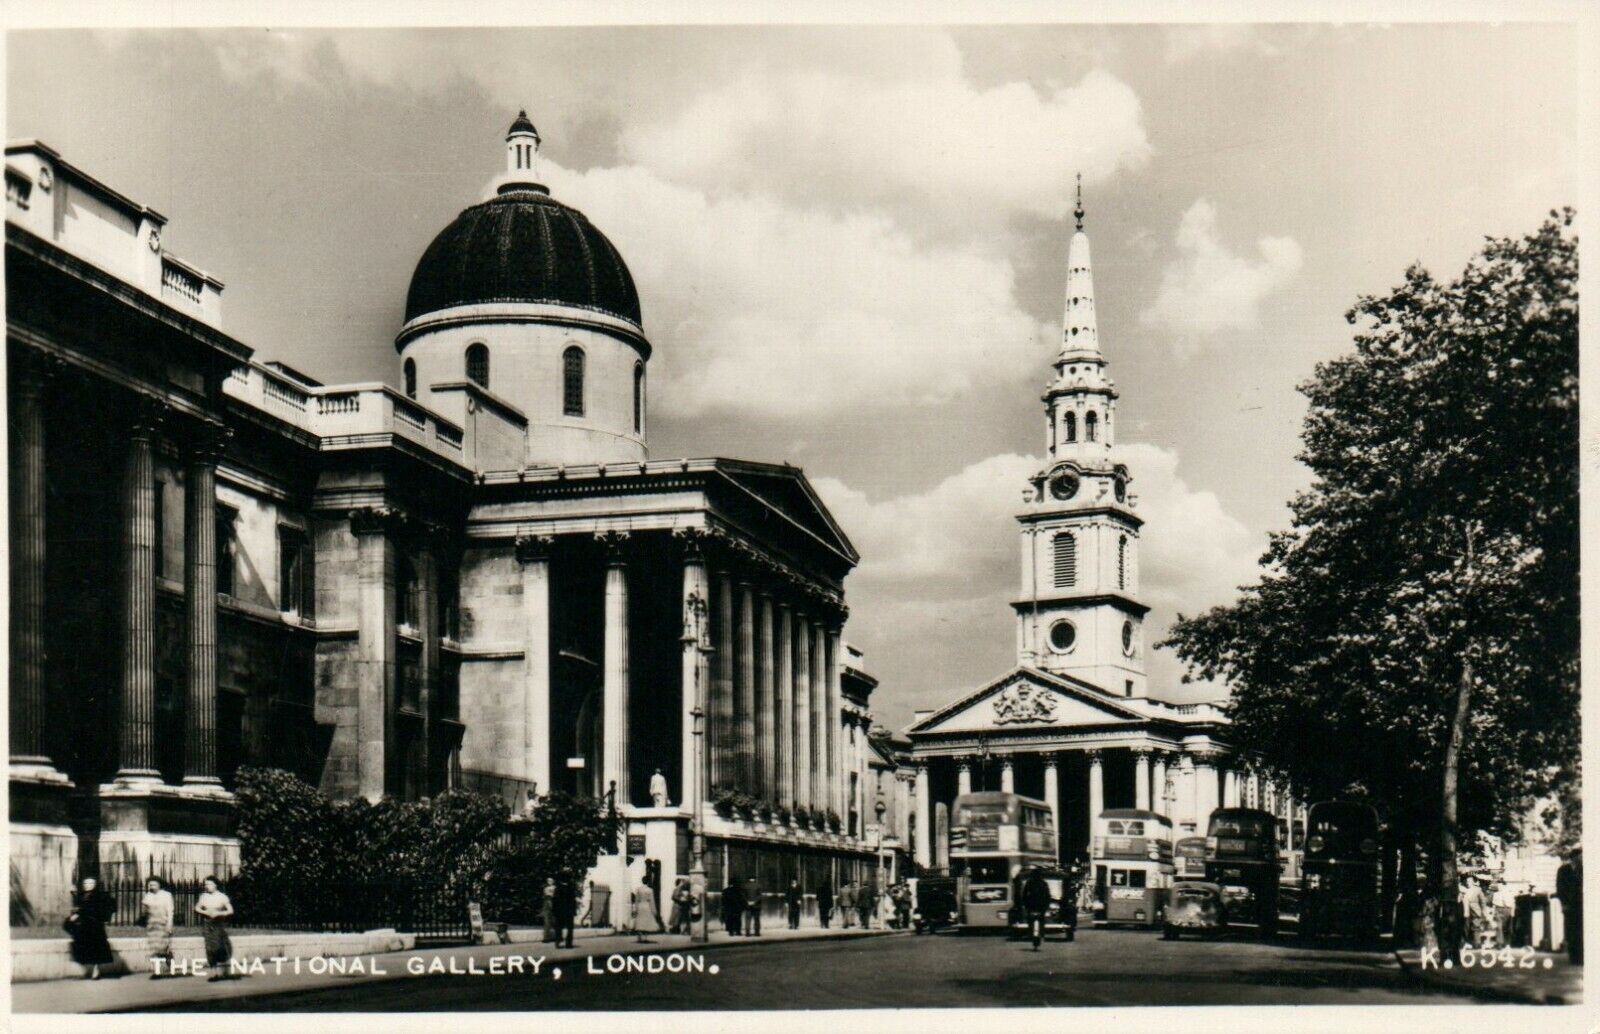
x,y
1079,612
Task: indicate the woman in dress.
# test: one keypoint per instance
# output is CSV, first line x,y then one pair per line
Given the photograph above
x,y
215,909
157,916
92,909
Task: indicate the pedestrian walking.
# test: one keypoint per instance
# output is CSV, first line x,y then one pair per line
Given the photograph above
x,y
733,907
794,899
1505,911
752,908
1035,903
866,897
549,906
92,909
1569,891
157,914
1471,898
902,907
824,902
847,904
565,905
214,910
678,915
646,917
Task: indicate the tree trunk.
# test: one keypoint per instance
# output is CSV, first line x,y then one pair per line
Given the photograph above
x,y
1450,921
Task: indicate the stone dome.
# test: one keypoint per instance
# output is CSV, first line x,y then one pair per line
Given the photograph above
x,y
523,246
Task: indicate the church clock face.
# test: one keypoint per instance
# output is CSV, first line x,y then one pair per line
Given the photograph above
x,y
1064,485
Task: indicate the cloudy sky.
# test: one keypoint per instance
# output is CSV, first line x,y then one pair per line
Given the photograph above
x,y
850,243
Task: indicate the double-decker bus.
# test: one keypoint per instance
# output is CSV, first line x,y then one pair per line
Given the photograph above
x,y
1342,885
1242,858
993,837
1132,859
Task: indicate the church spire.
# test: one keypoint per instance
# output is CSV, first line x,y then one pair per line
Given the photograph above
x,y
1078,331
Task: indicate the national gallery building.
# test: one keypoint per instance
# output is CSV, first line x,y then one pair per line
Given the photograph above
x,y
482,580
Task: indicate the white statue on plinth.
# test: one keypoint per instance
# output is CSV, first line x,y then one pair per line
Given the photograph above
x,y
658,789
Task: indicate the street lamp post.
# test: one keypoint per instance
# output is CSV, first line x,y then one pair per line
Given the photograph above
x,y
879,808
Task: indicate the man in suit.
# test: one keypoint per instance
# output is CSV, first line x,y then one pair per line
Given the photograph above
x,y
752,908
824,902
732,907
794,899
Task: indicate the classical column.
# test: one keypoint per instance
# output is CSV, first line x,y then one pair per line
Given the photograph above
x,y
804,764
375,706
963,777
837,765
533,553
1141,780
1052,797
1188,801
1097,786
137,758
766,704
1205,773
428,549
200,606
695,591
822,720
1158,792
785,649
1230,788
724,761
29,382
745,697
1008,777
614,674
924,819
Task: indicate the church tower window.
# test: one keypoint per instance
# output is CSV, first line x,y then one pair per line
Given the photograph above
x,y
1066,560
1070,428
411,378
1090,423
478,364
572,381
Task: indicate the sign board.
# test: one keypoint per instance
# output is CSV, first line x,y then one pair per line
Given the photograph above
x,y
636,844
575,762
475,920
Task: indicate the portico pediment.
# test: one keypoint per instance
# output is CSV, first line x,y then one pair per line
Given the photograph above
x,y
1026,699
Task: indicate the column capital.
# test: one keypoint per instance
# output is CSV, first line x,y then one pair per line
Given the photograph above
x,y
1006,761
31,373
963,763
1143,753
1095,756
533,548
374,520
207,445
693,542
1205,755
1052,759
615,544
148,417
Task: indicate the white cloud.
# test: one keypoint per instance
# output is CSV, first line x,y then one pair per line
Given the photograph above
x,y
1188,41
1208,289
773,311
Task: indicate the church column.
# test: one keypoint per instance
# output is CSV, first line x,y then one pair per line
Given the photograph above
x,y
533,553
29,382
838,765
1052,797
1188,803
924,819
745,696
692,541
1205,772
137,757
963,776
1141,780
1230,788
614,677
724,762
1097,786
375,576
821,778
766,707
1008,777
1158,789
785,685
804,768
200,605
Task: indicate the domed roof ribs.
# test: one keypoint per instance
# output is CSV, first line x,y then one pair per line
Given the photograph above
x,y
589,279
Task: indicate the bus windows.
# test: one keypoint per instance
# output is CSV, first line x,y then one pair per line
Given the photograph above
x,y
1136,878
1119,877
985,870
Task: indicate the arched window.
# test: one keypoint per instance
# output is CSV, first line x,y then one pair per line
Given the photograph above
x,y
572,381
1090,424
1066,560
638,398
411,378
478,364
1122,562
1070,428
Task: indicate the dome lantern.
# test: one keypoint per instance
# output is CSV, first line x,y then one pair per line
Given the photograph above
x,y
522,152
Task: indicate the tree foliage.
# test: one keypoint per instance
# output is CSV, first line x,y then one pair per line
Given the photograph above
x,y
1433,561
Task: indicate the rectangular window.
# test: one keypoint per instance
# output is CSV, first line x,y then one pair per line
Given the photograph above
x,y
1066,560
294,572
1127,689
227,549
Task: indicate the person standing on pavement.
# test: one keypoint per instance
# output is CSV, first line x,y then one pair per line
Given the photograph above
x,y
92,909
678,916
1569,891
824,902
549,906
1035,904
902,907
847,904
564,905
794,899
733,907
214,910
752,908
157,913
866,897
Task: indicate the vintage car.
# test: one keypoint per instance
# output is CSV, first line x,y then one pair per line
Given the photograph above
x,y
1194,906
1063,915
935,903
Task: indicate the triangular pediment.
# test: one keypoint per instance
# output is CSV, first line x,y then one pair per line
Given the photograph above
x,y
1025,699
787,491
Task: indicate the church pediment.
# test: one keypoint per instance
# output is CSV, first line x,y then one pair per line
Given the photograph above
x,y
1027,699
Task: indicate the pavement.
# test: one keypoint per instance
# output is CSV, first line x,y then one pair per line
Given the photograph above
x,y
367,977
845,970
1519,975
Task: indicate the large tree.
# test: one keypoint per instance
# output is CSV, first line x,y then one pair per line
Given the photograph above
x,y
1415,632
